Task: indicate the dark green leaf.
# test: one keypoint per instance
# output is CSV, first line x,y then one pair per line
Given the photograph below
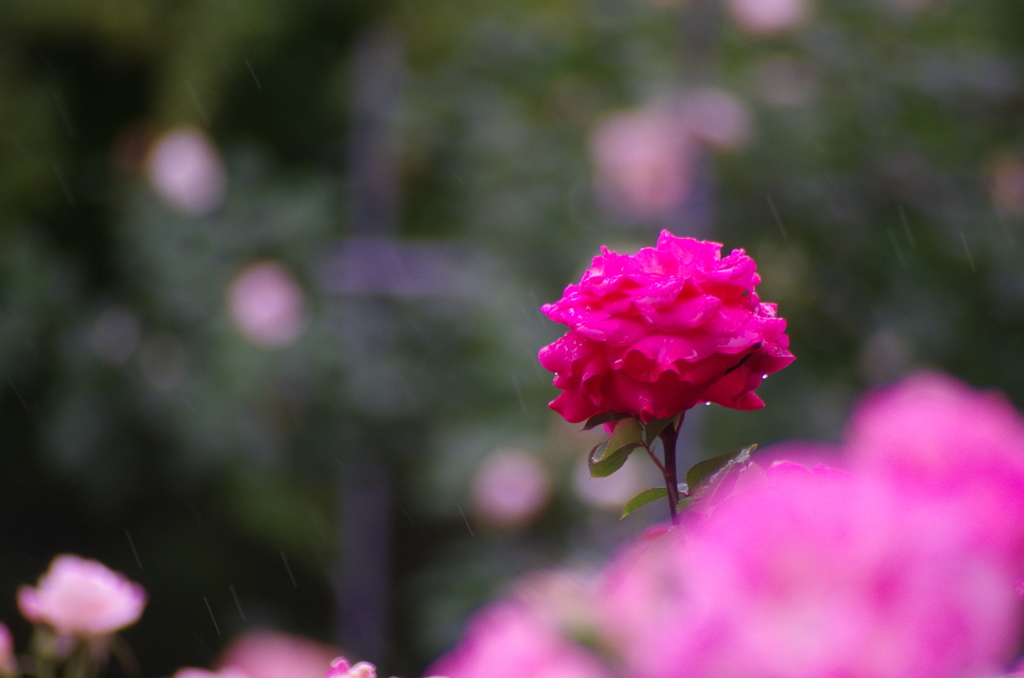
x,y
611,462
609,459
706,471
599,419
643,499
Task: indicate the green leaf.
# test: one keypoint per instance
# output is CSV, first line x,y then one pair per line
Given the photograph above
x,y
599,419
607,458
626,431
604,466
706,472
643,499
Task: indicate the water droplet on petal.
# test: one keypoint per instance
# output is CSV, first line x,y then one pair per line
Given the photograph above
x,y
708,402
764,376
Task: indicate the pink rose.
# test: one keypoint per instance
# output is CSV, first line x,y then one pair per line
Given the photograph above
x,y
812,575
340,668
80,597
508,640
270,654
653,334
960,450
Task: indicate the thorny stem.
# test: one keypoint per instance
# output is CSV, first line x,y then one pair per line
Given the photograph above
x,y
668,436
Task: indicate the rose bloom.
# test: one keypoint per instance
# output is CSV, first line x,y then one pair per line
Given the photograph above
x,y
186,171
811,575
510,488
266,305
652,334
270,654
340,668
766,17
644,160
80,597
960,450
509,640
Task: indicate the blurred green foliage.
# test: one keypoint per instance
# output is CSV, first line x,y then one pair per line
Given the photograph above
x,y
881,190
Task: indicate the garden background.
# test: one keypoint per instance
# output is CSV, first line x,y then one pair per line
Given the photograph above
x,y
411,180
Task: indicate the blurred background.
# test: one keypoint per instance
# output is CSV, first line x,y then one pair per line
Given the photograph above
x,y
270,274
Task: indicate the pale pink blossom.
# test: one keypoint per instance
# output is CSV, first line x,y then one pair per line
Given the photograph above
x,y
510,487
652,334
185,170
644,161
267,306
715,117
271,654
646,158
764,17
508,640
80,597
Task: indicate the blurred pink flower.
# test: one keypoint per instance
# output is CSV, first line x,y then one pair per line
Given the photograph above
x,y
270,654
651,335
642,591
185,170
812,575
764,17
8,662
645,158
510,487
715,117
507,640
80,597
644,161
267,306
560,599
340,668
962,451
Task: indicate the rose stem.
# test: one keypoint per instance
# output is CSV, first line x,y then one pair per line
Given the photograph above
x,y
668,440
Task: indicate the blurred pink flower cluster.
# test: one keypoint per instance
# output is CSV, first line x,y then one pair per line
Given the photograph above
x,y
76,606
82,598
652,334
270,654
341,668
646,159
905,564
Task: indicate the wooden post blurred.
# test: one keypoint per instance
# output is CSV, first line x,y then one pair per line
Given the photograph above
x,y
364,572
